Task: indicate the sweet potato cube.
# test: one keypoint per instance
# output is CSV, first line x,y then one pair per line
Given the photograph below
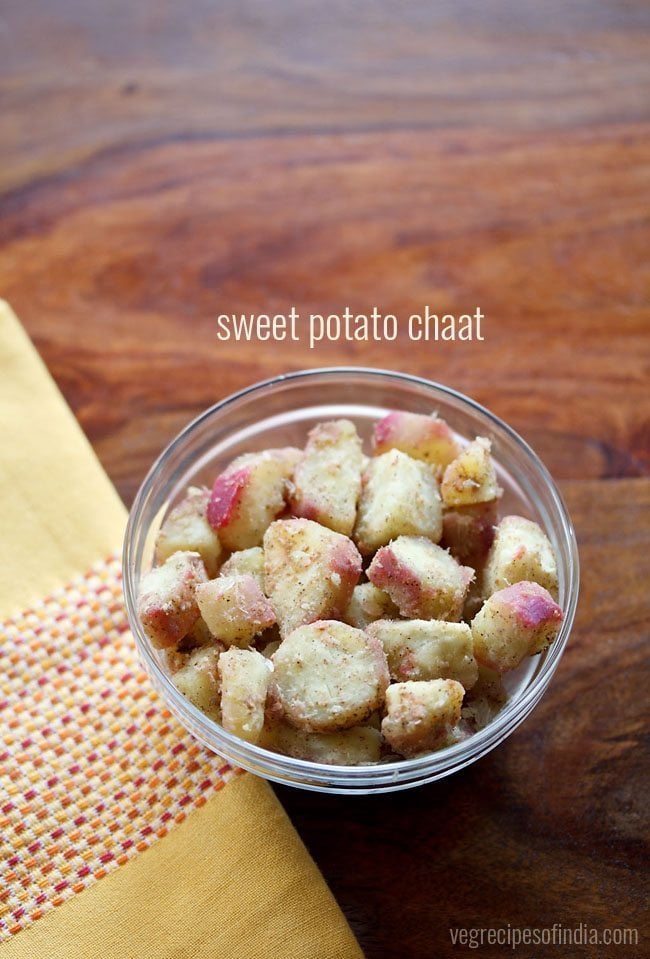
x,y
421,715
235,609
167,604
368,604
421,578
471,478
309,572
399,497
520,551
198,681
327,478
420,649
186,529
246,562
327,676
426,438
249,494
513,623
245,675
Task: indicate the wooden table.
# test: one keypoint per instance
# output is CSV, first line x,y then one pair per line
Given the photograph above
x,y
164,163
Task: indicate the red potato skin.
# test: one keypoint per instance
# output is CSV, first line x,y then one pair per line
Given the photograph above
x,y
347,562
531,610
388,428
531,604
226,497
384,431
170,624
306,510
386,569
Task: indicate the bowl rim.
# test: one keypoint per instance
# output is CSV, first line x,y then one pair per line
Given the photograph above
x,y
377,776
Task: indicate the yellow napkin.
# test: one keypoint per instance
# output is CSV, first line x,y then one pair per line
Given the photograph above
x,y
226,875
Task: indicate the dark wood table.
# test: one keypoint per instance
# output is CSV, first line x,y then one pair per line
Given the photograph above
x,y
164,163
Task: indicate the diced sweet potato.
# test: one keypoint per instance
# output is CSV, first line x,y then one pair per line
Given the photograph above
x,y
521,551
425,438
421,715
246,562
198,680
399,497
167,603
245,675
422,579
249,494
309,572
261,647
427,649
513,623
358,746
235,609
186,529
369,603
327,676
327,479
471,478
468,532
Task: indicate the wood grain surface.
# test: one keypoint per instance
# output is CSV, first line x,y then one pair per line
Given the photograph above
x,y
163,164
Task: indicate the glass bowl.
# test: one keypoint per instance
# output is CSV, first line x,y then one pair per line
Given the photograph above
x,y
279,412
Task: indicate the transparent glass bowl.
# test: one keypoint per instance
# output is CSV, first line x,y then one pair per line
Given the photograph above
x,y
279,412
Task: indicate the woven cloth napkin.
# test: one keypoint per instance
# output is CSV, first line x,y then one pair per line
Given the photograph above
x,y
120,836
